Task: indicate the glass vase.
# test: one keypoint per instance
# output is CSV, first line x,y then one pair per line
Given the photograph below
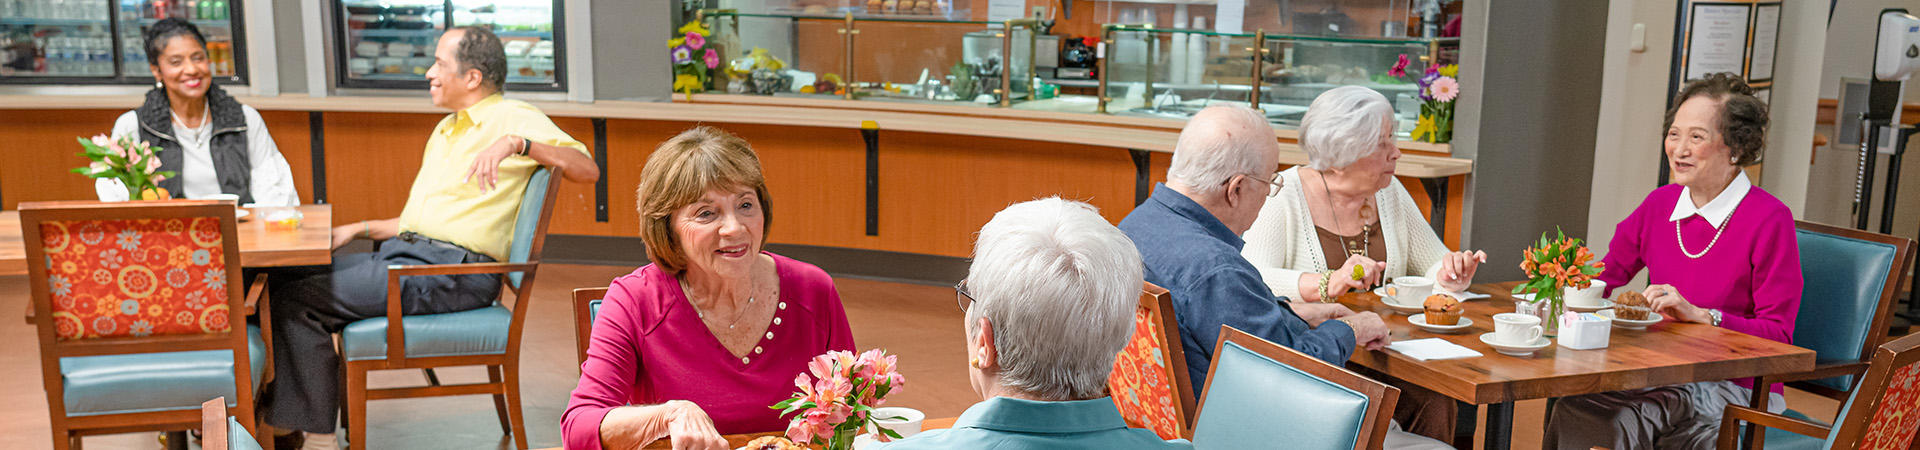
x,y
1549,307
842,438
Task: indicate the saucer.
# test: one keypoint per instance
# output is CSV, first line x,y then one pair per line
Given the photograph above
x,y
1604,304
1461,296
1624,324
1515,350
240,213
1401,308
1420,320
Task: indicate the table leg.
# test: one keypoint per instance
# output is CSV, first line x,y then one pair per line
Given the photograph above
x,y
1469,422
1499,426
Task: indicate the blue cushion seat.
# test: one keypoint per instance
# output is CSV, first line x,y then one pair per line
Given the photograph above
x,y
1248,389
476,332
238,438
148,382
1844,280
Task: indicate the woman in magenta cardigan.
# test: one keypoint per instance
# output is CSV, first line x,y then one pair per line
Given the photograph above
x,y
701,342
1718,251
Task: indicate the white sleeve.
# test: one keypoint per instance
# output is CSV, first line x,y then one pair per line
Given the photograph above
x,y
108,189
1425,250
1269,242
272,181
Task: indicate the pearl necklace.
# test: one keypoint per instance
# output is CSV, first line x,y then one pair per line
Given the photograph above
x,y
1703,252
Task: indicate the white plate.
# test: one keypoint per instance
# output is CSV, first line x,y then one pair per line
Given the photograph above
x,y
1515,350
1604,304
1403,308
1461,296
1420,320
1652,318
240,213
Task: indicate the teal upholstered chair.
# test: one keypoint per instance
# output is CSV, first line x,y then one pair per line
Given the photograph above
x,y
1851,280
586,307
1258,391
483,337
1881,414
222,432
139,313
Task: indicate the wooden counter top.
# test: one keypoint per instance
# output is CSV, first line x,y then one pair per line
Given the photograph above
x,y
1089,129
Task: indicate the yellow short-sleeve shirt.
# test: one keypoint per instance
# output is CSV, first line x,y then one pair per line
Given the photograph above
x,y
443,205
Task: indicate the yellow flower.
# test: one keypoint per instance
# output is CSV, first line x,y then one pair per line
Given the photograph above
x,y
686,83
1450,70
695,27
1424,127
675,42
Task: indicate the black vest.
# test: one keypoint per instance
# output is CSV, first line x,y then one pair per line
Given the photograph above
x,y
229,145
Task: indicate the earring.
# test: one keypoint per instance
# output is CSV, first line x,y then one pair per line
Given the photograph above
x,y
1735,160
158,85
974,362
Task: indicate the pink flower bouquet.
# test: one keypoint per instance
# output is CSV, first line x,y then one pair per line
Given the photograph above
x,y
135,164
838,399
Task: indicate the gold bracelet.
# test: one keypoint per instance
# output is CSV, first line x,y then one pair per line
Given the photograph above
x,y
1324,278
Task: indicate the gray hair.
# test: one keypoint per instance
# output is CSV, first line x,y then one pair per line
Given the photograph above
x,y
1343,125
1215,146
1060,286
481,50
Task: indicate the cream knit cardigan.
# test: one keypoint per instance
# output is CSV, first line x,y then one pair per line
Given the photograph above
x,y
1283,243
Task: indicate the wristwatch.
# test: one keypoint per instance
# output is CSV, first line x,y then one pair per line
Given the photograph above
x,y
526,146
1715,313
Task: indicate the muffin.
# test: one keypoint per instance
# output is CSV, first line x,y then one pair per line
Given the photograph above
x,y
1631,306
772,443
1443,309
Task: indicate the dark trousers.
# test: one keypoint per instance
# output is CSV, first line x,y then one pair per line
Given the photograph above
x,y
311,303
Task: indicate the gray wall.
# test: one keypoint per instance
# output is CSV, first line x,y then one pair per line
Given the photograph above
x,y
291,45
629,49
1536,66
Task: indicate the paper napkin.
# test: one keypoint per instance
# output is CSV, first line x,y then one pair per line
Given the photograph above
x,y
1432,348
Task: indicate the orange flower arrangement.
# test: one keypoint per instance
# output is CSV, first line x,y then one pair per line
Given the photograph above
x,y
1553,266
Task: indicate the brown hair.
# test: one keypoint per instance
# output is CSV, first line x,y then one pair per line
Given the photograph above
x,y
683,169
1742,119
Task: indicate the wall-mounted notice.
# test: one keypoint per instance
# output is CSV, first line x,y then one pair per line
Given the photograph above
x,y
1766,37
1717,39
1228,16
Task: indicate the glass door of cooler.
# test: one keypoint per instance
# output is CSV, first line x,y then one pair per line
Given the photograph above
x,y
56,42
389,44
218,20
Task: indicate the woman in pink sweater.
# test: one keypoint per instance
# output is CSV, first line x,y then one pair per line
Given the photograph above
x,y
704,340
1718,251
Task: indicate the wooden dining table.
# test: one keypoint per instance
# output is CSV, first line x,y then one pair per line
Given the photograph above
x,y
739,440
1663,354
310,244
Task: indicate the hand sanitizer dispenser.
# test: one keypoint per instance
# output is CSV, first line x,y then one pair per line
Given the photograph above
x,y
1897,54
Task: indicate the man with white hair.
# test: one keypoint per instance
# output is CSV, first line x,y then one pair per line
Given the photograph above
x,y
1044,380
1189,237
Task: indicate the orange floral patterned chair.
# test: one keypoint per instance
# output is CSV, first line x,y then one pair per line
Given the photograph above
x,y
1882,414
139,316
1149,381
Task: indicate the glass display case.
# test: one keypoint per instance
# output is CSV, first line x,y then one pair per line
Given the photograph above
x,y
389,44
878,56
100,41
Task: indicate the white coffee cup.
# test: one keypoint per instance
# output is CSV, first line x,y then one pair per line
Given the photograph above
x,y
1589,297
905,421
1516,329
1412,290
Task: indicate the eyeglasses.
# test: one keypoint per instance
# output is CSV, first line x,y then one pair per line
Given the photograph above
x,y
965,299
1273,182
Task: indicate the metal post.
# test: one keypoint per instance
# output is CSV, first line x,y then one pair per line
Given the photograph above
x,y
1869,156
1100,65
849,32
1259,52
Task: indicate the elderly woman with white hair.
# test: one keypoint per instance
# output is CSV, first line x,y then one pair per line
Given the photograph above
x,y
1044,379
1345,209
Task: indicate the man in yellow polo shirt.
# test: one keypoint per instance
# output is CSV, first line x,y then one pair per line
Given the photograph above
x,y
461,210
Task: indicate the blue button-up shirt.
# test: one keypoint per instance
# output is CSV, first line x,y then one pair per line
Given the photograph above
x,y
1197,259
1002,423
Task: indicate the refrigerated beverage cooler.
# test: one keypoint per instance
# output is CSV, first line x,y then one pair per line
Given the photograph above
x,y
390,43
59,42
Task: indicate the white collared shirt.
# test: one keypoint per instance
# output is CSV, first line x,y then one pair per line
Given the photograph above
x,y
1717,211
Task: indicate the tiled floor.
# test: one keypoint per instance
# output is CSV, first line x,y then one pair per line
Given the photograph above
x,y
919,323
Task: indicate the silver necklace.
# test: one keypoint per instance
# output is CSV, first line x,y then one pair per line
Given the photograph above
x,y
1716,236
181,130
741,314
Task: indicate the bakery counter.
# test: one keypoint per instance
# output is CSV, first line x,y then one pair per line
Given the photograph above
x,y
921,182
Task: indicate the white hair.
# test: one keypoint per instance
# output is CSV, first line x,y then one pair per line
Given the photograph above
x,y
1343,125
1060,286
1216,145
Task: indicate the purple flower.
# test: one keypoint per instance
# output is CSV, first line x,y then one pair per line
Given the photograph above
x,y
682,55
712,58
695,40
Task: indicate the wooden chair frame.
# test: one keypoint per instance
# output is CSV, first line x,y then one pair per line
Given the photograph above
x,y
66,430
1381,398
1904,254
503,370
1156,299
583,317
1871,389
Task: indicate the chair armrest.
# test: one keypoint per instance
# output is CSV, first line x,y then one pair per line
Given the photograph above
x,y
1730,432
258,293
396,335
1828,370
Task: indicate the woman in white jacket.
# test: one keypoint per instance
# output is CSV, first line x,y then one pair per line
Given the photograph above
x,y
1346,207
1345,203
